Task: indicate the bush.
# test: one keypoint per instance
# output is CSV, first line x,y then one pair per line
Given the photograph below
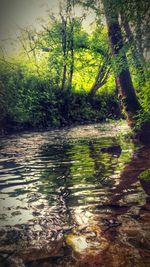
x,y
28,101
145,175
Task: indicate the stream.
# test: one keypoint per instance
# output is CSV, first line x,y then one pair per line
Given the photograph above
x,y
68,200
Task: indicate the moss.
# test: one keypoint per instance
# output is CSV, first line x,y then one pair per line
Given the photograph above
x,y
145,175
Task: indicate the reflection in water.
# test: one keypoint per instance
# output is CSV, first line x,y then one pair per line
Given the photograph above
x,y
97,194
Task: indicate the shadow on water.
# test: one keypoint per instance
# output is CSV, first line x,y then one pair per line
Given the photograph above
x,y
76,177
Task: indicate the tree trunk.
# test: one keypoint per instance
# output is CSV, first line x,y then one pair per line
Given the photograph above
x,y
139,34
64,77
126,92
98,84
102,76
72,54
135,54
64,48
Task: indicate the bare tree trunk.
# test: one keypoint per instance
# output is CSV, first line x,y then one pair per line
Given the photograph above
x,y
72,54
68,44
126,92
101,78
64,77
64,47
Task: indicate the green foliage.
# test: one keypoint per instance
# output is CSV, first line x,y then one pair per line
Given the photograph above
x,y
99,41
29,101
143,115
30,90
144,95
141,118
145,175
81,39
30,84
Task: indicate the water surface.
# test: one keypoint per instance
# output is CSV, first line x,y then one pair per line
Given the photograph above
x,y
65,170
36,167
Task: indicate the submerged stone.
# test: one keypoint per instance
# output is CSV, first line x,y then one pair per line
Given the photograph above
x,y
78,243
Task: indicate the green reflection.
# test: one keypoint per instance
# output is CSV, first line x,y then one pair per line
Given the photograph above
x,y
80,170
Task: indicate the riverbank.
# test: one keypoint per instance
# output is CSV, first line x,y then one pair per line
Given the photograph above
x,y
60,110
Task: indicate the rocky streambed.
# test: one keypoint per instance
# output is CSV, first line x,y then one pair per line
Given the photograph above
x,y
72,197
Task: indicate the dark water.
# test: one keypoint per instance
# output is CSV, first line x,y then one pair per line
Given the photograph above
x,y
36,167
66,170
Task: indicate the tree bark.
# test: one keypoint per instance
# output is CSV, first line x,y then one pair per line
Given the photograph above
x,y
126,92
138,62
64,48
101,78
71,54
